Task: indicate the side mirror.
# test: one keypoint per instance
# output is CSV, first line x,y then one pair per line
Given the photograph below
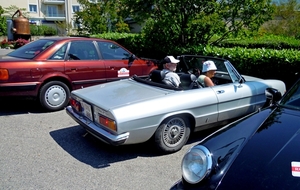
x,y
272,96
131,59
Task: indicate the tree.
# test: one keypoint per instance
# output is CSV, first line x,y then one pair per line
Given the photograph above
x,y
100,17
188,22
286,19
12,9
3,28
64,27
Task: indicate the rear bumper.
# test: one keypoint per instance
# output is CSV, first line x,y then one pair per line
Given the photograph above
x,y
97,131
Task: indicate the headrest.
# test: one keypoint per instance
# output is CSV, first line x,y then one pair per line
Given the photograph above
x,y
157,76
186,80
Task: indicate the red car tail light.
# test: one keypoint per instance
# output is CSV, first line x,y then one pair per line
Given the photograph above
x,y
4,74
75,105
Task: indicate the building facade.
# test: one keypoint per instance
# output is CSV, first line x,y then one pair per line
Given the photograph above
x,y
46,12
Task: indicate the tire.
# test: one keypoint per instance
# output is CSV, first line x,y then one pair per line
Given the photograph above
x,y
172,134
54,95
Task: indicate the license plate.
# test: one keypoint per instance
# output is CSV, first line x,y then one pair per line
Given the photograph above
x,y
87,110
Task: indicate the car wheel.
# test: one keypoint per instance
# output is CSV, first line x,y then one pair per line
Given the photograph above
x,y
172,134
54,95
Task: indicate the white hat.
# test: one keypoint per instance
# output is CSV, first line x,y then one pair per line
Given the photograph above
x,y
170,59
208,66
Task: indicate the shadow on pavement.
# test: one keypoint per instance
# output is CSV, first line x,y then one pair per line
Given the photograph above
x,y
88,149
91,151
19,105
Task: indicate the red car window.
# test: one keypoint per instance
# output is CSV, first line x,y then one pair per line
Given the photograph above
x,y
82,50
32,49
111,51
59,54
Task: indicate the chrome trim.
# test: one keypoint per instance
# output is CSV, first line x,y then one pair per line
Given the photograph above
x,y
97,131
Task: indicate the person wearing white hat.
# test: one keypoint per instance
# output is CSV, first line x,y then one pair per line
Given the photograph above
x,y
170,64
208,71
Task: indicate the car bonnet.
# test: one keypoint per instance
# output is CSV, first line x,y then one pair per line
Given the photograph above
x,y
271,157
120,93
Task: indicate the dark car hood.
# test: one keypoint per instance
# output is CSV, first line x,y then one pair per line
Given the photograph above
x,y
265,161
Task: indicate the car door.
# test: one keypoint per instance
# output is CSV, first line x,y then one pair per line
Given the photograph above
x,y
236,98
116,61
204,106
83,65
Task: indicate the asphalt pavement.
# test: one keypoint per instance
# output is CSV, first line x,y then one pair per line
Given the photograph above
x,y
50,151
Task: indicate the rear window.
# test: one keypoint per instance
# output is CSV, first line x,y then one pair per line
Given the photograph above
x,y
32,49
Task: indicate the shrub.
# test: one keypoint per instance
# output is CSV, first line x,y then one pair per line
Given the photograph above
x,y
13,44
34,30
20,42
6,44
42,30
49,31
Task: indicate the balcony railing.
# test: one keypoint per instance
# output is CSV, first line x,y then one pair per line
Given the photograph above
x,y
54,2
55,17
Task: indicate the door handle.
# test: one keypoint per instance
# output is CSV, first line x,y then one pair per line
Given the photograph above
x,y
220,91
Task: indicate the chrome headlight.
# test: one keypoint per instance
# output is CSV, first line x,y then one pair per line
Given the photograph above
x,y
196,164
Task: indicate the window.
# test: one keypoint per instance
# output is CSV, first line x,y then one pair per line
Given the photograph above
x,y
60,54
52,11
75,8
33,8
32,49
82,50
112,51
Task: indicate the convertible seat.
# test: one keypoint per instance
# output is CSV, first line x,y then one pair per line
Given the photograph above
x,y
158,76
188,81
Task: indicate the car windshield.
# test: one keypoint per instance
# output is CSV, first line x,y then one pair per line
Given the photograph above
x,y
32,49
224,68
292,98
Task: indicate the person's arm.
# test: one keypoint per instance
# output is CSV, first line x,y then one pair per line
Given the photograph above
x,y
208,82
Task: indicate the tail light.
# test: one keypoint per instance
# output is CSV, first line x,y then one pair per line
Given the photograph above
x,y
4,74
109,123
75,105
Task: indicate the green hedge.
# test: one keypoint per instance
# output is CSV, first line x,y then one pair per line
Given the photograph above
x,y
42,30
274,63
265,41
263,63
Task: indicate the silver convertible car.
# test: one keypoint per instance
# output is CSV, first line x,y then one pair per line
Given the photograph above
x,y
136,110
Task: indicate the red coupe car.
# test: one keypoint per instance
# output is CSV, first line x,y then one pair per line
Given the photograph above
x,y
50,68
